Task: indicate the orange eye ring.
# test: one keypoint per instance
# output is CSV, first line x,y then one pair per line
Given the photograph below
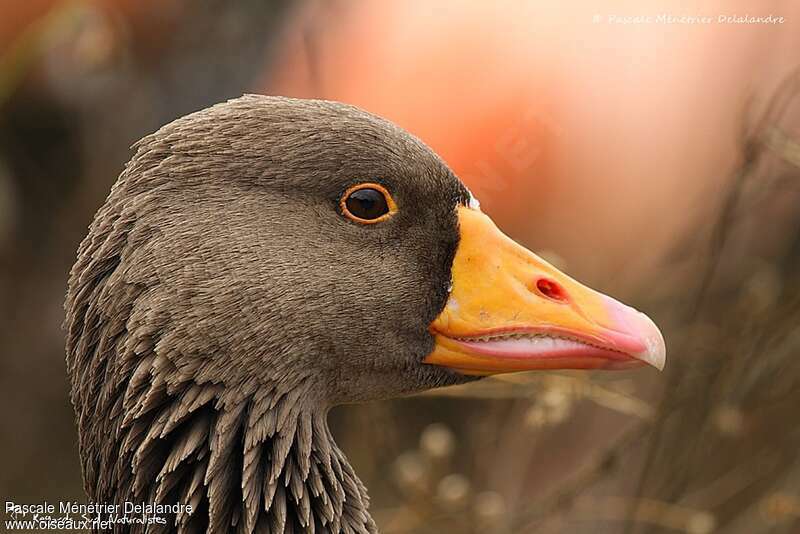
x,y
373,205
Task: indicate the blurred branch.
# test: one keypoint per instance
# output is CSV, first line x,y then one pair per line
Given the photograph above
x,y
533,385
743,319
563,497
648,511
783,145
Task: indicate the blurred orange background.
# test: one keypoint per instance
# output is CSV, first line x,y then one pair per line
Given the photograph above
x,y
607,138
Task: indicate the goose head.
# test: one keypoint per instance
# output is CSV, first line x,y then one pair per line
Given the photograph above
x,y
265,259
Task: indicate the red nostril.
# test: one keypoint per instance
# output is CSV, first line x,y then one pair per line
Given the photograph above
x,y
551,289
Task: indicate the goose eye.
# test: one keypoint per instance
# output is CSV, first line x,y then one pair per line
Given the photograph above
x,y
367,203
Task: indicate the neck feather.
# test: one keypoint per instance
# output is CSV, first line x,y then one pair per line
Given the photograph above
x,y
257,462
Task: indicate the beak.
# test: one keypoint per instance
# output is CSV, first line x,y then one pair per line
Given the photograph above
x,y
509,310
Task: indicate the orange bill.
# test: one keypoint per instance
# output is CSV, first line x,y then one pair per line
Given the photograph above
x,y
509,310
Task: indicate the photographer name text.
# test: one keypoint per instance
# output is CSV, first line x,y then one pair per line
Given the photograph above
x,y
664,18
69,515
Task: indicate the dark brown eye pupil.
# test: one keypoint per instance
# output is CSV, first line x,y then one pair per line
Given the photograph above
x,y
367,204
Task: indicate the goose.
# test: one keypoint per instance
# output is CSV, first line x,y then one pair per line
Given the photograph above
x,y
266,258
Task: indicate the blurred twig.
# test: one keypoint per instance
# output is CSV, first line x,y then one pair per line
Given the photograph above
x,y
529,385
563,497
744,356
